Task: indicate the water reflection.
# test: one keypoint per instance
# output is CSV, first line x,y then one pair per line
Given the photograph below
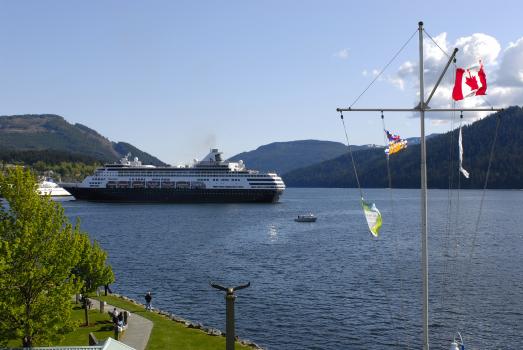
x,y
273,233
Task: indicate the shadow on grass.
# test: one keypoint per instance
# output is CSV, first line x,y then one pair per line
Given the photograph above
x,y
105,326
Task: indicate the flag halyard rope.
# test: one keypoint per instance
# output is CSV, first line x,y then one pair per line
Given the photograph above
x,y
375,242
351,157
468,268
399,271
383,69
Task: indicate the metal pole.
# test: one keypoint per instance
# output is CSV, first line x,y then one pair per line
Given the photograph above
x,y
441,76
422,108
229,316
424,247
229,312
417,109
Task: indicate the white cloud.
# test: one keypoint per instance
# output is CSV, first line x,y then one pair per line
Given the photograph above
x,y
475,47
511,65
374,73
342,54
407,68
504,73
432,52
397,82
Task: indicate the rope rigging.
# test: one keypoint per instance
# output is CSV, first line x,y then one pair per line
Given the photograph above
x,y
383,69
422,107
399,271
375,240
462,271
351,156
464,268
448,226
468,265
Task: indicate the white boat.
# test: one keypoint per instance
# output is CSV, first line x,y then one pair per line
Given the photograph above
x,y
211,180
48,187
306,218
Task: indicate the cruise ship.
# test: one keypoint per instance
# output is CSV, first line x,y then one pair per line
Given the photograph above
x,y
210,180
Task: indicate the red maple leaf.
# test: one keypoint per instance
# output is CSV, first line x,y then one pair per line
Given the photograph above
x,y
471,81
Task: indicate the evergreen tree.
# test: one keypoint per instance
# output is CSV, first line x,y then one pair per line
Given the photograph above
x,y
38,250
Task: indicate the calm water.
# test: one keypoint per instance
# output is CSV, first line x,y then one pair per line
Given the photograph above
x,y
327,284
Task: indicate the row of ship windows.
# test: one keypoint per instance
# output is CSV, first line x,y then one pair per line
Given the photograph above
x,y
227,186
133,173
142,177
218,179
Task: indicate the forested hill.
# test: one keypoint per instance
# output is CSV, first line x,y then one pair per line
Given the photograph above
x,y
25,138
442,154
283,157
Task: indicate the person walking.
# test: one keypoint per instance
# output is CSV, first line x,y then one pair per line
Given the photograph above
x,y
148,300
107,289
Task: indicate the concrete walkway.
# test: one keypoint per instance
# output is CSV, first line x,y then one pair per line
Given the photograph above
x,y
138,329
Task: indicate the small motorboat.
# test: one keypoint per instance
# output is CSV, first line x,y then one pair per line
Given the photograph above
x,y
306,218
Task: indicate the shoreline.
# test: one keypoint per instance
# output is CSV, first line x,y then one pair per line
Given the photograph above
x,y
189,324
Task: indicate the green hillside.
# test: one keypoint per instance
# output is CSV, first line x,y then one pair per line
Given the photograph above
x,y
26,137
124,148
442,153
283,157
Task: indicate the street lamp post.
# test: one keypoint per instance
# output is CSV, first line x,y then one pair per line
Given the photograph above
x,y
229,314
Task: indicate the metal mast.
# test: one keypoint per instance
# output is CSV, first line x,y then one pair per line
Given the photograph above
x,y
422,108
424,234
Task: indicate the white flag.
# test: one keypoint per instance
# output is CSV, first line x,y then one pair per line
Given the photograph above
x,y
463,171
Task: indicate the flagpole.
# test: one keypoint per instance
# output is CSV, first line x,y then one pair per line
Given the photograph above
x,y
422,108
424,229
427,109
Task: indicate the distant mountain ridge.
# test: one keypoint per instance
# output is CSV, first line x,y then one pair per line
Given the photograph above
x,y
50,134
442,155
283,157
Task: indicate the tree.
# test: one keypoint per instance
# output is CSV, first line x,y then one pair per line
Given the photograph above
x,y
38,250
92,269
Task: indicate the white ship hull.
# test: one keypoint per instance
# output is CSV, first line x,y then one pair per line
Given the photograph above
x,y
210,180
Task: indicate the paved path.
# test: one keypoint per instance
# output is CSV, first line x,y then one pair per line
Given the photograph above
x,y
138,329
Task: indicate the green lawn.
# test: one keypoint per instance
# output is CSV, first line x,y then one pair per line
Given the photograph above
x,y
100,325
168,334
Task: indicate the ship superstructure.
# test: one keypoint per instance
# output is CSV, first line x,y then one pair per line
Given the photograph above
x,y
209,180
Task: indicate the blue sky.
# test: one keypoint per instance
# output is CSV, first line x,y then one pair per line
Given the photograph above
x,y
175,78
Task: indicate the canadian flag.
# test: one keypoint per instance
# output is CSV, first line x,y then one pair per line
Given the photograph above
x,y
469,82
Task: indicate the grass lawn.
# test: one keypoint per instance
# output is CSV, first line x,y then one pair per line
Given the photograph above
x,y
100,325
168,334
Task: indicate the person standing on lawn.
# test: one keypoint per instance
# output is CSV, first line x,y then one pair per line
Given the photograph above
x,y
148,300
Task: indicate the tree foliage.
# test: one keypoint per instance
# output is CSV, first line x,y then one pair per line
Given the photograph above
x,y
92,269
39,252
39,247
50,138
65,171
442,160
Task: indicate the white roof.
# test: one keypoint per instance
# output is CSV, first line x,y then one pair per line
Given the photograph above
x,y
109,344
